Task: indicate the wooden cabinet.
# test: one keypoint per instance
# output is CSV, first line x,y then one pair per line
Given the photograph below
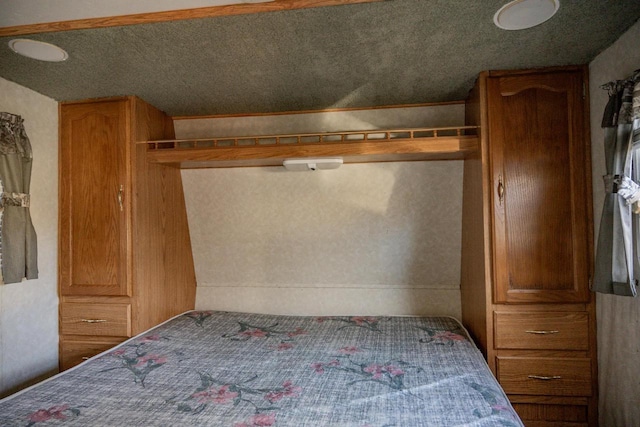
x,y
527,242
125,261
537,153
93,141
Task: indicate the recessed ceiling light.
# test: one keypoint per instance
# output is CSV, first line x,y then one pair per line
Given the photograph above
x,y
38,50
521,14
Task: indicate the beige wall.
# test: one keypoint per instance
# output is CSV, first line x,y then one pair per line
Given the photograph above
x,y
434,116
29,310
379,238
618,317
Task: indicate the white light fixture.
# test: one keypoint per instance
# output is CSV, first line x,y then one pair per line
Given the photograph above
x,y
311,164
38,50
522,14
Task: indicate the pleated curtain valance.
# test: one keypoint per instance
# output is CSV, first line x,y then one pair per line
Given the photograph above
x,y
18,247
617,268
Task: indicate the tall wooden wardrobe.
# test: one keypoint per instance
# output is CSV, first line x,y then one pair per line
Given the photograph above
x,y
125,261
527,242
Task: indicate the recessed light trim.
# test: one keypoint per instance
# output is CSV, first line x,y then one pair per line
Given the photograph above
x,y
38,50
523,14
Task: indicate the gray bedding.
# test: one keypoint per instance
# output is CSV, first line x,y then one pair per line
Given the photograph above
x,y
207,368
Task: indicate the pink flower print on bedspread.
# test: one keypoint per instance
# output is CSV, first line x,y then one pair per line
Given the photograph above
x,y
318,367
199,317
254,333
366,322
379,370
448,336
258,420
284,346
217,392
150,338
59,412
296,332
135,358
248,332
287,390
149,360
390,373
215,395
349,350
496,404
442,336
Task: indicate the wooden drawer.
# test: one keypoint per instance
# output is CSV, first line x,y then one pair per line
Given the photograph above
x,y
551,414
542,330
74,352
547,376
95,319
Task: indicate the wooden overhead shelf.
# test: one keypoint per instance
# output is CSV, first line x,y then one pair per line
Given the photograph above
x,y
354,147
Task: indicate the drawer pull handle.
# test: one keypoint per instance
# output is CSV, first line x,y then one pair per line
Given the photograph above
x,y
542,332
86,358
544,378
93,320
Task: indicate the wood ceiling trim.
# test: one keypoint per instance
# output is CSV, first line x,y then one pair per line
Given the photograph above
x,y
173,15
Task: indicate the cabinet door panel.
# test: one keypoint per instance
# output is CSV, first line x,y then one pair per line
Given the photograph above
x,y
538,158
93,234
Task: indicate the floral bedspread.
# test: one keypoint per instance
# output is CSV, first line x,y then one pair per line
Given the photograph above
x,y
208,368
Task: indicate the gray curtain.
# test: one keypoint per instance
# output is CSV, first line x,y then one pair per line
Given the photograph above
x,y
617,268
18,248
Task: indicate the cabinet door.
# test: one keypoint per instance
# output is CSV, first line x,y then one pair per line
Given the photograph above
x,y
93,180
539,165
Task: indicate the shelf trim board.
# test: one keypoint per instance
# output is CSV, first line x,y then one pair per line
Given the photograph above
x,y
354,146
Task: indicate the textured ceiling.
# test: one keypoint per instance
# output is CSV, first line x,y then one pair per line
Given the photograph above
x,y
388,53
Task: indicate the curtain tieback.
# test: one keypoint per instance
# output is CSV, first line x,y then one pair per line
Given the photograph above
x,y
22,200
624,186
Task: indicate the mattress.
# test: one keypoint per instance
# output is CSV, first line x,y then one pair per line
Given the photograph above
x,y
211,368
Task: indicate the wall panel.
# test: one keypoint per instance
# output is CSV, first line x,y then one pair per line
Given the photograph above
x,y
378,238
29,310
618,317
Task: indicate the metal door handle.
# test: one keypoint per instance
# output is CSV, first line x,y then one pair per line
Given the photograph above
x,y
120,196
500,189
93,320
542,332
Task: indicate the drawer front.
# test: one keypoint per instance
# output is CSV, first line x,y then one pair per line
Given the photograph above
x,y
549,414
95,319
545,375
542,330
73,353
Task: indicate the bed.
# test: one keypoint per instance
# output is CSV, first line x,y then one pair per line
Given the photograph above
x,y
212,368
